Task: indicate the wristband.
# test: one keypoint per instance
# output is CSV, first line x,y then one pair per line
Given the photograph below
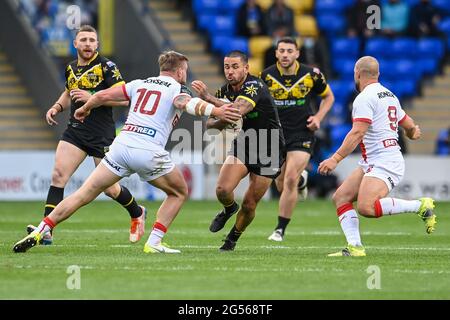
x,y
60,105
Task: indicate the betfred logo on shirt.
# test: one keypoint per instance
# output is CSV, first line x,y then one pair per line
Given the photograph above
x,y
390,143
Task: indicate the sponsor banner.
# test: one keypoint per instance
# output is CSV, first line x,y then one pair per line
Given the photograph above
x,y
26,175
425,176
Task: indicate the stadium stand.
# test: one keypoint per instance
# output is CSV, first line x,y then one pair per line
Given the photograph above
x,y
21,123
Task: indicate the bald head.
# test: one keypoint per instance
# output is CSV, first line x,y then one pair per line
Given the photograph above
x,y
368,67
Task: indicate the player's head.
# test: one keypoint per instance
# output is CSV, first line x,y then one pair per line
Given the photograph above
x,y
287,52
367,70
175,64
86,42
235,67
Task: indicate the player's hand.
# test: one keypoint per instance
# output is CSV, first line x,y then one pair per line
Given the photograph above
x,y
228,113
78,95
416,134
50,116
200,88
81,113
313,123
326,166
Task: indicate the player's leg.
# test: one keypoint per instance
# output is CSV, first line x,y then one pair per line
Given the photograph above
x,y
296,162
231,173
174,185
68,158
124,197
100,179
374,203
343,199
256,190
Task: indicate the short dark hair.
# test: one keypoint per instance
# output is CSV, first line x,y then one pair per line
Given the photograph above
x,y
171,60
238,54
86,28
288,40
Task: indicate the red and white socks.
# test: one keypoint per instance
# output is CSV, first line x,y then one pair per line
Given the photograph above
x,y
158,232
391,206
348,218
45,226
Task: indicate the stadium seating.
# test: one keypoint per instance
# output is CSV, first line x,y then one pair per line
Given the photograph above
x,y
259,44
306,26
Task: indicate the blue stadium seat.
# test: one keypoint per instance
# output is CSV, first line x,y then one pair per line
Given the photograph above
x,y
442,147
430,48
332,24
219,43
329,6
387,70
230,5
345,48
377,47
337,134
402,47
342,89
444,5
344,67
222,25
206,6
237,43
407,69
404,88
428,66
203,21
444,26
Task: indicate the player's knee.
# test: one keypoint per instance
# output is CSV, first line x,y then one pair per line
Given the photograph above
x,y
249,206
59,178
110,193
290,182
222,191
183,192
366,209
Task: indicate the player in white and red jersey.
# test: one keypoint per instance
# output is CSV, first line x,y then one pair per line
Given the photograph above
x,y
376,115
156,104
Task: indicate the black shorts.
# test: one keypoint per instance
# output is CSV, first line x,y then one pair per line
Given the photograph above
x,y
300,142
269,167
94,146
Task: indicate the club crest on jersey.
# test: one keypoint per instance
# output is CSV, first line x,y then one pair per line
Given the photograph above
x,y
306,144
251,90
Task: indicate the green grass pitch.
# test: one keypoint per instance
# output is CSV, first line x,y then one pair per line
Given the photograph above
x,y
412,264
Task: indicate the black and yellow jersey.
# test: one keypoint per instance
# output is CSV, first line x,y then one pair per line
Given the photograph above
x,y
99,74
292,94
264,115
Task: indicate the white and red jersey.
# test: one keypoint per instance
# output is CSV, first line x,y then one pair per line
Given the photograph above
x,y
379,107
152,114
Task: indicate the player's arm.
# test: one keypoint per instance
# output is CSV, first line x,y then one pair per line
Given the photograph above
x,y
202,91
199,107
412,130
114,94
242,105
79,95
351,141
325,106
60,105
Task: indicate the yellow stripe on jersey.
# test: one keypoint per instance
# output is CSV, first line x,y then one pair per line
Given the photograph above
x,y
327,89
247,99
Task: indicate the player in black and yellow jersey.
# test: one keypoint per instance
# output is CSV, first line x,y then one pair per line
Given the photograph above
x,y
85,76
292,86
257,151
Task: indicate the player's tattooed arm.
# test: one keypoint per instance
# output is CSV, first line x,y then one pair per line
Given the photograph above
x,y
202,91
181,100
244,106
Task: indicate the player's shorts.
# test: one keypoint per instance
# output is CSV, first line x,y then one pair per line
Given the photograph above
x,y
123,161
94,146
300,142
269,166
391,172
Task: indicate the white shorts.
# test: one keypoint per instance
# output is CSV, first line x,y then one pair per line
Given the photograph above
x,y
148,164
391,172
